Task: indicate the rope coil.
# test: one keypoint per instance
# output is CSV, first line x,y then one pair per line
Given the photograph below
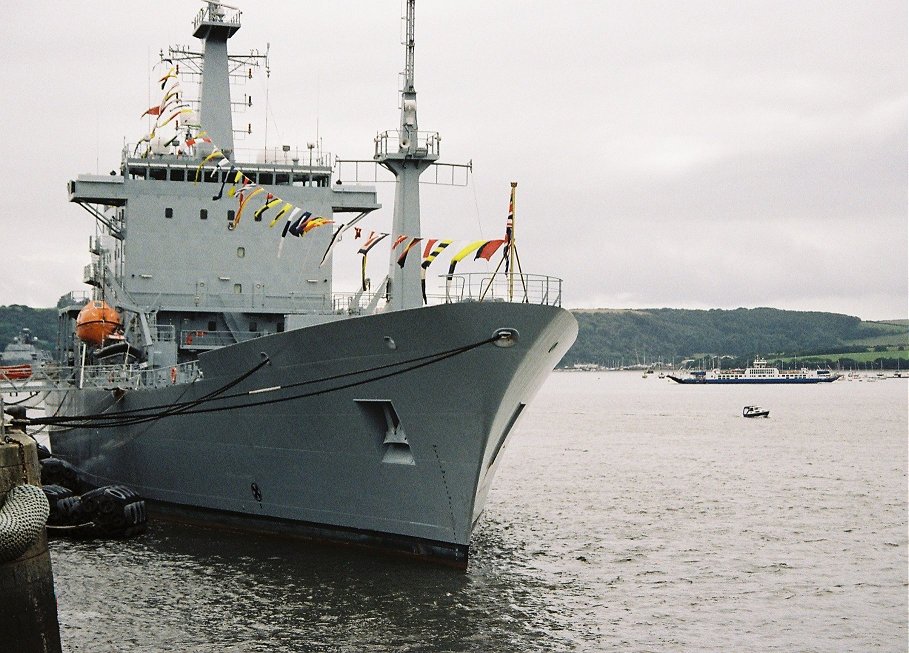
x,y
22,518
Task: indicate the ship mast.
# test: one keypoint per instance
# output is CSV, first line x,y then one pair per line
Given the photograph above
x,y
213,27
415,153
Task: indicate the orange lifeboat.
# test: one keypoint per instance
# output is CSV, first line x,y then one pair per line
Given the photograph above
x,y
97,321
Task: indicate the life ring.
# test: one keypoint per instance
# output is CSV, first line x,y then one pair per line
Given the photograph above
x,y
173,375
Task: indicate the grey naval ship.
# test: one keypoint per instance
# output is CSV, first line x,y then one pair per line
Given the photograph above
x,y
232,387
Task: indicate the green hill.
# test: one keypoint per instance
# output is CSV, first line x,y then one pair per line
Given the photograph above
x,y
41,321
608,336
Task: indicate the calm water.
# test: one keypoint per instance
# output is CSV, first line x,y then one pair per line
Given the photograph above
x,y
629,514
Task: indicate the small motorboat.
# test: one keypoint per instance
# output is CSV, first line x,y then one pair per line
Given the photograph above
x,y
755,411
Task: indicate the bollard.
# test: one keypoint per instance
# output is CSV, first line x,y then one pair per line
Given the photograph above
x,y
28,605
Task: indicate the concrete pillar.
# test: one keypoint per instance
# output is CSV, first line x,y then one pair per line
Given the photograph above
x,y
28,605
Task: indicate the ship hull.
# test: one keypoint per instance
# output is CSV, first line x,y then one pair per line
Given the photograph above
x,y
382,430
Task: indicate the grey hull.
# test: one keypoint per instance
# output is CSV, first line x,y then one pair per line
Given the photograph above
x,y
383,430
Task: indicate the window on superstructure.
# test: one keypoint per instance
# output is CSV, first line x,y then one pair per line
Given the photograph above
x,y
265,179
203,214
238,289
178,175
230,216
241,252
211,325
168,212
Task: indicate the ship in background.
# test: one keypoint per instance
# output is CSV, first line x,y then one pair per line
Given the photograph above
x,y
759,372
230,386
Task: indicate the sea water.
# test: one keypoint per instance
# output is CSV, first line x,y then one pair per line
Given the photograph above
x,y
628,514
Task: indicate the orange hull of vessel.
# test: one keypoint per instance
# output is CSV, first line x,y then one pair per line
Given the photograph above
x,y
96,322
13,372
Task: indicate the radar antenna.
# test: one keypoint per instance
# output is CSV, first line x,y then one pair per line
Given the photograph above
x,y
408,135
215,8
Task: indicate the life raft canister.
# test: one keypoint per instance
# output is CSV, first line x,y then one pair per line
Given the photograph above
x,y
97,321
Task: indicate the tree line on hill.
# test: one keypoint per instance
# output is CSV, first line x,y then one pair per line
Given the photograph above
x,y
636,336
607,337
42,322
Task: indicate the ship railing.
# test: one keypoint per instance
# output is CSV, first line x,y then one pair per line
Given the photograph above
x,y
200,339
174,375
284,156
213,13
266,167
501,287
389,142
352,303
74,298
41,378
165,332
255,300
107,377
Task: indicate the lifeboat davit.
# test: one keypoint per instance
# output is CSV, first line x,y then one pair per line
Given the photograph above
x,y
96,322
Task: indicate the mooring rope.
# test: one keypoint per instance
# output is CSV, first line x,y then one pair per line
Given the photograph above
x,y
22,518
197,406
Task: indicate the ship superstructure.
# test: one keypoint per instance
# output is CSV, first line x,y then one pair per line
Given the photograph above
x,y
174,258
240,388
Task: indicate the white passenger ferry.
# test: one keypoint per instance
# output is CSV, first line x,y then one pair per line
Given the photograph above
x,y
759,372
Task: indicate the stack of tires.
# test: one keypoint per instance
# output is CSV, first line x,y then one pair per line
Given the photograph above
x,y
79,510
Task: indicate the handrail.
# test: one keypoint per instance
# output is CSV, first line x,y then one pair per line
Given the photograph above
x,y
501,287
103,377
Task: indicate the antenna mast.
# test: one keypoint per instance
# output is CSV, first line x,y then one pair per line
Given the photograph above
x,y
408,137
415,153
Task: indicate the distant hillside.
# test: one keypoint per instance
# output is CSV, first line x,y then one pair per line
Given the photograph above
x,y
608,336
41,321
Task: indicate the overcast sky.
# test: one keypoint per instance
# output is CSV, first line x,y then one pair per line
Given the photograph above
x,y
681,154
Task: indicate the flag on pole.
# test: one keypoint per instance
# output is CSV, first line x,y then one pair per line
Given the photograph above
x,y
364,250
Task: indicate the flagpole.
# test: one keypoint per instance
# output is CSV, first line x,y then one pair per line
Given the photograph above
x,y
511,244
